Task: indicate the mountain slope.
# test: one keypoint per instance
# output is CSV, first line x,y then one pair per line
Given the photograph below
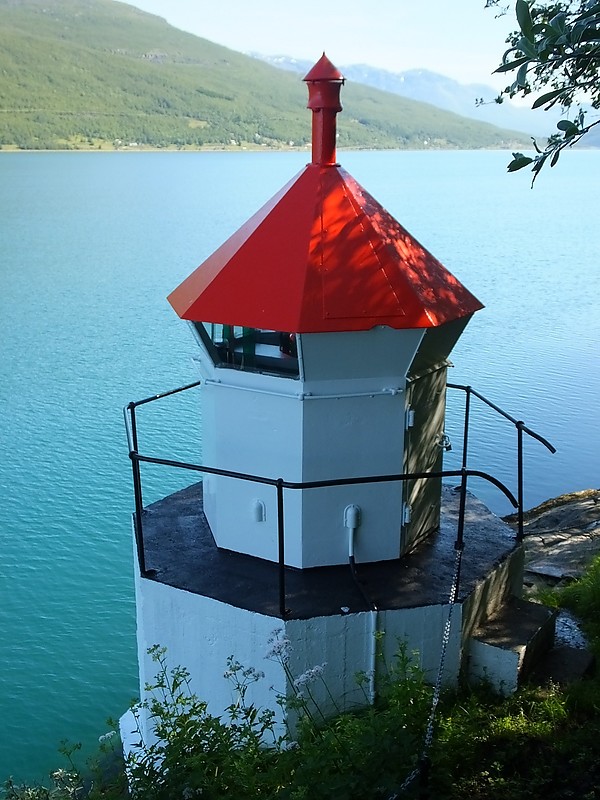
x,y
441,91
77,72
446,93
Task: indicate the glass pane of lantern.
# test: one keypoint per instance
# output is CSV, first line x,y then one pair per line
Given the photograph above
x,y
250,349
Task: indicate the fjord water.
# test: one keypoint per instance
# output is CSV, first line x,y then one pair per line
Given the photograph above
x,y
91,244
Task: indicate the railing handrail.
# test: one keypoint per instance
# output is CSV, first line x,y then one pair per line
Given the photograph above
x,y
465,388
400,476
137,403
517,423
520,427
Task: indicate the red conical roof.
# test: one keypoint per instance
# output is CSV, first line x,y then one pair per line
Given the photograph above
x,y
322,255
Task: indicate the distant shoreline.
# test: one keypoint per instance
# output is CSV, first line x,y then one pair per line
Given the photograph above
x,y
149,149
237,149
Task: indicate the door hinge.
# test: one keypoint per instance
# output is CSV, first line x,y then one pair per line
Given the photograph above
x,y
406,513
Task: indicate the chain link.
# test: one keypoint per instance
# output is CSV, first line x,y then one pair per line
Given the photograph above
x,y
407,782
437,688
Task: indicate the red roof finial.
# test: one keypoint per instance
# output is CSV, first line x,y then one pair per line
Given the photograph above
x,y
324,85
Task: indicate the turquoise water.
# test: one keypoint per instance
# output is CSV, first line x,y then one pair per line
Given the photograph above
x,y
91,244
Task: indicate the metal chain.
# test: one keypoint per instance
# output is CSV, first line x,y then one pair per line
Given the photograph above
x,y
407,782
437,689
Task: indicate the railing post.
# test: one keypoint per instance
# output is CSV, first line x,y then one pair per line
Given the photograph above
x,y
281,548
520,498
134,436
137,493
466,428
460,532
139,530
461,511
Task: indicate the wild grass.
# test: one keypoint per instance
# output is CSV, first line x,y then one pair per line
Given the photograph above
x,y
583,598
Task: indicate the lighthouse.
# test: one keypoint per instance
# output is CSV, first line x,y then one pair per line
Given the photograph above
x,y
323,330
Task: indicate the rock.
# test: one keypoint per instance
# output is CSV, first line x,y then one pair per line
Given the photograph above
x,y
562,536
564,664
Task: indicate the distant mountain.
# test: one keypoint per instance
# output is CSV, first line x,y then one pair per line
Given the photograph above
x,y
442,92
92,73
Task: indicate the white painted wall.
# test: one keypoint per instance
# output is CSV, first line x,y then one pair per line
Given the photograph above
x,y
200,633
497,666
344,418
381,354
326,539
422,628
342,644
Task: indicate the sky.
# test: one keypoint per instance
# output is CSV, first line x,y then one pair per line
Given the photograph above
x,y
458,38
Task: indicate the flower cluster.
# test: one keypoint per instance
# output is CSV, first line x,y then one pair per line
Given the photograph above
x,y
279,647
237,671
310,675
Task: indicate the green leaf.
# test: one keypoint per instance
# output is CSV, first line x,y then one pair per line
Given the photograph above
x,y
528,47
512,64
577,33
569,128
546,98
558,22
524,17
555,158
519,161
522,76
542,27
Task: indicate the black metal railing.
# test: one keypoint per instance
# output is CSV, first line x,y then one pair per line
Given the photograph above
x,y
280,484
520,427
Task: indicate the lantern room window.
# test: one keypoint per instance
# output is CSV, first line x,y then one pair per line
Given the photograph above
x,y
249,349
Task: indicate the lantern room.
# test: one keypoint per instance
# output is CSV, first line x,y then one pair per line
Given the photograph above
x,y
324,330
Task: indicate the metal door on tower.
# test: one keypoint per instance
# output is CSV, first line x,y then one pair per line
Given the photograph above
x,y
423,451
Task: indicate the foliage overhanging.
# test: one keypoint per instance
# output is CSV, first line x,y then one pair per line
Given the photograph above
x,y
555,52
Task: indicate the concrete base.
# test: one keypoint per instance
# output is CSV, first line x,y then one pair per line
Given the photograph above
x,y
128,730
202,633
205,604
506,647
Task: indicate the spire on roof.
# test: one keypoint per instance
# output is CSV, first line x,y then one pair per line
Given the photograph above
x,y
324,84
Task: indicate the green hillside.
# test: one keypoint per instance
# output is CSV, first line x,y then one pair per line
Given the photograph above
x,y
83,73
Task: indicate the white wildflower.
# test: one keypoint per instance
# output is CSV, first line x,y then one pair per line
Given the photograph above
x,y
60,775
255,674
280,646
106,737
310,675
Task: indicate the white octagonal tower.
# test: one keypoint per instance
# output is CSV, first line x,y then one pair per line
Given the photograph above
x,y
324,330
